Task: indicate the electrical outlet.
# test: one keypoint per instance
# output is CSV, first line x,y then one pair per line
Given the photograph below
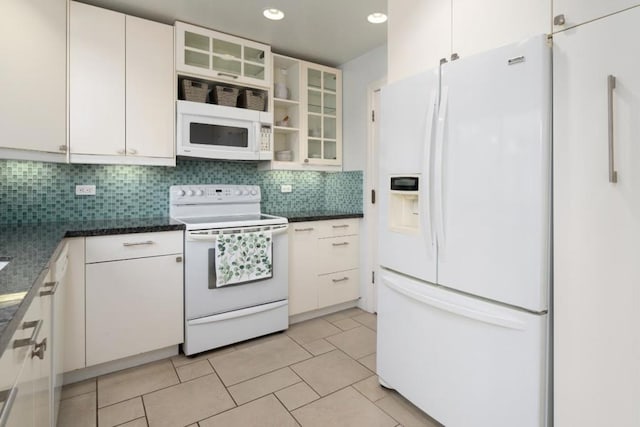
x,y
286,188
85,190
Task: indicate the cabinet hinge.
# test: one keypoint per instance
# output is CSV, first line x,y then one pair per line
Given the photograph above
x,y
373,277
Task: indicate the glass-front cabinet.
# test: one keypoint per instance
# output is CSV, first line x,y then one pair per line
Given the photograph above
x,y
323,101
220,56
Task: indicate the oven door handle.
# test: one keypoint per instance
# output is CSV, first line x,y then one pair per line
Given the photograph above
x,y
197,236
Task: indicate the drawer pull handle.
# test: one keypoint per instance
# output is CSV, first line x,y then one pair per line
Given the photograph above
x,y
304,229
8,397
344,279
148,242
340,244
36,325
39,350
52,291
341,226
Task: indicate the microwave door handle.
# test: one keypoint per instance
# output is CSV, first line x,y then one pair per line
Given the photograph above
x,y
257,127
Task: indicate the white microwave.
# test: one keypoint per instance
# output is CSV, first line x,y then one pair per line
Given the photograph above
x,y
217,132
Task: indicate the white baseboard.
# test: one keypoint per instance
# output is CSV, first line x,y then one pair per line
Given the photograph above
x,y
297,318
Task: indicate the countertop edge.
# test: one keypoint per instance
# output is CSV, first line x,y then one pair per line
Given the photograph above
x,y
322,217
122,230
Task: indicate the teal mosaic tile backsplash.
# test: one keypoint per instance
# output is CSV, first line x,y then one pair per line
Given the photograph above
x,y
39,192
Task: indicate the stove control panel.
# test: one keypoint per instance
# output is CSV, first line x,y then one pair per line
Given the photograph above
x,y
213,193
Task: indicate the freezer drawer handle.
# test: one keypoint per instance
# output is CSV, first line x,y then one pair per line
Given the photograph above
x,y
504,322
344,279
8,397
611,85
340,244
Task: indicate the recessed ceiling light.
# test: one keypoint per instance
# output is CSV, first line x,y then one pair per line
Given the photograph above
x,y
273,14
377,18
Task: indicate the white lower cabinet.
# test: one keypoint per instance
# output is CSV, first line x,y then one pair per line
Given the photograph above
x,y
25,369
323,264
134,306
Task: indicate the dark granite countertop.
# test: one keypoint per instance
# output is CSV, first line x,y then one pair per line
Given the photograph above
x,y
30,247
316,215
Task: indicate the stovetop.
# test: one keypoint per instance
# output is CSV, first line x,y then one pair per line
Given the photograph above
x,y
218,206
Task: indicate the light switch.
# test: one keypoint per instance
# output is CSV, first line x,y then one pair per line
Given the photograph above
x,y
286,188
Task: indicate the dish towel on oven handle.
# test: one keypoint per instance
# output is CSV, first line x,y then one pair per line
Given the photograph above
x,y
243,257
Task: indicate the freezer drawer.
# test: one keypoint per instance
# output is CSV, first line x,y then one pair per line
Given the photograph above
x,y
464,361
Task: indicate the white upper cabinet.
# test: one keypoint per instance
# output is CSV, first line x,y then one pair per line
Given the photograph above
x,y
150,89
483,25
422,32
569,13
322,98
33,42
97,81
218,56
121,88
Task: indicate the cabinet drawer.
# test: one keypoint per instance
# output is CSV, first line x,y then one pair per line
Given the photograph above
x,y
337,227
337,254
136,245
338,287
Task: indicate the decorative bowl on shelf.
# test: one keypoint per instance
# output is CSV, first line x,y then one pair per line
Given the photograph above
x,y
284,155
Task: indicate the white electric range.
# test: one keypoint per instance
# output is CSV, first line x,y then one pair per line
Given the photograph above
x,y
218,313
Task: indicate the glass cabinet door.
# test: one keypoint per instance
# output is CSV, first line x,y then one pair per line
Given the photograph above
x,y
322,116
219,55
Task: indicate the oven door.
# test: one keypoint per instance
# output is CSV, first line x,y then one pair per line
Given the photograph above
x,y
214,132
203,298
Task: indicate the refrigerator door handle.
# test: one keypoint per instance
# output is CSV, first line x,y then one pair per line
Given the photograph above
x,y
490,318
438,166
611,85
425,196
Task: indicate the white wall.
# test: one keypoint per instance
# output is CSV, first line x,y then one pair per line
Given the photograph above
x,y
357,75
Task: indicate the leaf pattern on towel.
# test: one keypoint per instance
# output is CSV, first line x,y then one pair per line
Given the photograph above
x,y
243,257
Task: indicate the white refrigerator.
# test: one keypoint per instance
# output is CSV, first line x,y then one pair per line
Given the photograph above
x,y
465,238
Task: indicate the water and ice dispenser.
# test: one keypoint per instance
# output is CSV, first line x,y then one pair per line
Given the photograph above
x,y
404,204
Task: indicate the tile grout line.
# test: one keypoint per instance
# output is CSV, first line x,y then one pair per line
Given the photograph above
x,y
287,409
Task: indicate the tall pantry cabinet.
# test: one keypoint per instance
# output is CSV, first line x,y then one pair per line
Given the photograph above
x,y
597,223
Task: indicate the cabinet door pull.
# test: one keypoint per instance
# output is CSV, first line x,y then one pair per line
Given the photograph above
x,y
340,244
62,148
39,350
341,226
7,397
611,85
304,229
132,151
344,279
52,291
147,242
233,76
120,151
36,325
559,19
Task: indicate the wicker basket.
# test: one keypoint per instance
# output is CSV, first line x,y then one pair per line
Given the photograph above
x,y
252,99
195,91
223,95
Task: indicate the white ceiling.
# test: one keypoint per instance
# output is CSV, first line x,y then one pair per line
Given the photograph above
x,y
330,32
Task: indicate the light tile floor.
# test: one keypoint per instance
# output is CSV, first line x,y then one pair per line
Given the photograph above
x,y
317,373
